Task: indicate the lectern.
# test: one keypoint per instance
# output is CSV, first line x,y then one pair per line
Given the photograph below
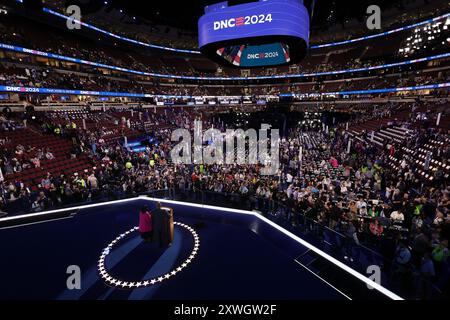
x,y
167,234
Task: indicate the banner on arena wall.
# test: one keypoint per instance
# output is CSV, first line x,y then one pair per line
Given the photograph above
x,y
18,89
403,28
169,76
87,25
385,90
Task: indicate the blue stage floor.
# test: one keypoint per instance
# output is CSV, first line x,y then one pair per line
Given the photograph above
x,y
240,257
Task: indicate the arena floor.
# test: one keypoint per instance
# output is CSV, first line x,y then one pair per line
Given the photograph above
x,y
239,257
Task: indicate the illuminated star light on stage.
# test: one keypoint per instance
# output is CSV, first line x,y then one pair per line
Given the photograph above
x,y
138,284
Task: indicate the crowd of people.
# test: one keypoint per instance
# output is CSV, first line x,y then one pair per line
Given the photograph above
x,y
16,71
194,66
356,191
49,78
370,195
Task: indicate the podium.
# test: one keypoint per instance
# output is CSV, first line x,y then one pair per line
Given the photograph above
x,y
168,230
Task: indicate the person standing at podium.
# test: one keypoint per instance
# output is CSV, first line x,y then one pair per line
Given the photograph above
x,y
160,223
145,224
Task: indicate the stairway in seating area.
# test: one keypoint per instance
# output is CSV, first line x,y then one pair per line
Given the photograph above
x,y
381,136
418,159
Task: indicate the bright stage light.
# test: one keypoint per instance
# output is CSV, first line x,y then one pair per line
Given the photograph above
x,y
111,281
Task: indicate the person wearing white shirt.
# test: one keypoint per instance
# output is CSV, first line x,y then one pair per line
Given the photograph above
x,y
343,188
403,164
289,178
243,189
289,191
397,216
362,207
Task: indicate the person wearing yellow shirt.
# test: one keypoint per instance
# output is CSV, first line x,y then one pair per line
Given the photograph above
x,y
82,183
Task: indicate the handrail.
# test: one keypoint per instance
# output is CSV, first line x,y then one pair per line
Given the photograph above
x,y
205,202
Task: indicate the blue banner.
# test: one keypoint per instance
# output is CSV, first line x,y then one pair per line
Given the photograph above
x,y
87,25
18,89
418,24
414,25
363,92
159,75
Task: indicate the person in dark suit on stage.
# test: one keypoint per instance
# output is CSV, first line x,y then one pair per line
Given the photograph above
x,y
160,226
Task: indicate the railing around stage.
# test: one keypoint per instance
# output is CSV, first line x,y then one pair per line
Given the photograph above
x,y
405,280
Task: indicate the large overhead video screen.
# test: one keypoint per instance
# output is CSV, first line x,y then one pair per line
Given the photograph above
x,y
255,34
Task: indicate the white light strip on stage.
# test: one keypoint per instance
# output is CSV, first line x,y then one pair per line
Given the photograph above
x,y
326,256
86,206
336,262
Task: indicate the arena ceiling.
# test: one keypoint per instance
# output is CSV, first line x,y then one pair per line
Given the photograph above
x,y
184,14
